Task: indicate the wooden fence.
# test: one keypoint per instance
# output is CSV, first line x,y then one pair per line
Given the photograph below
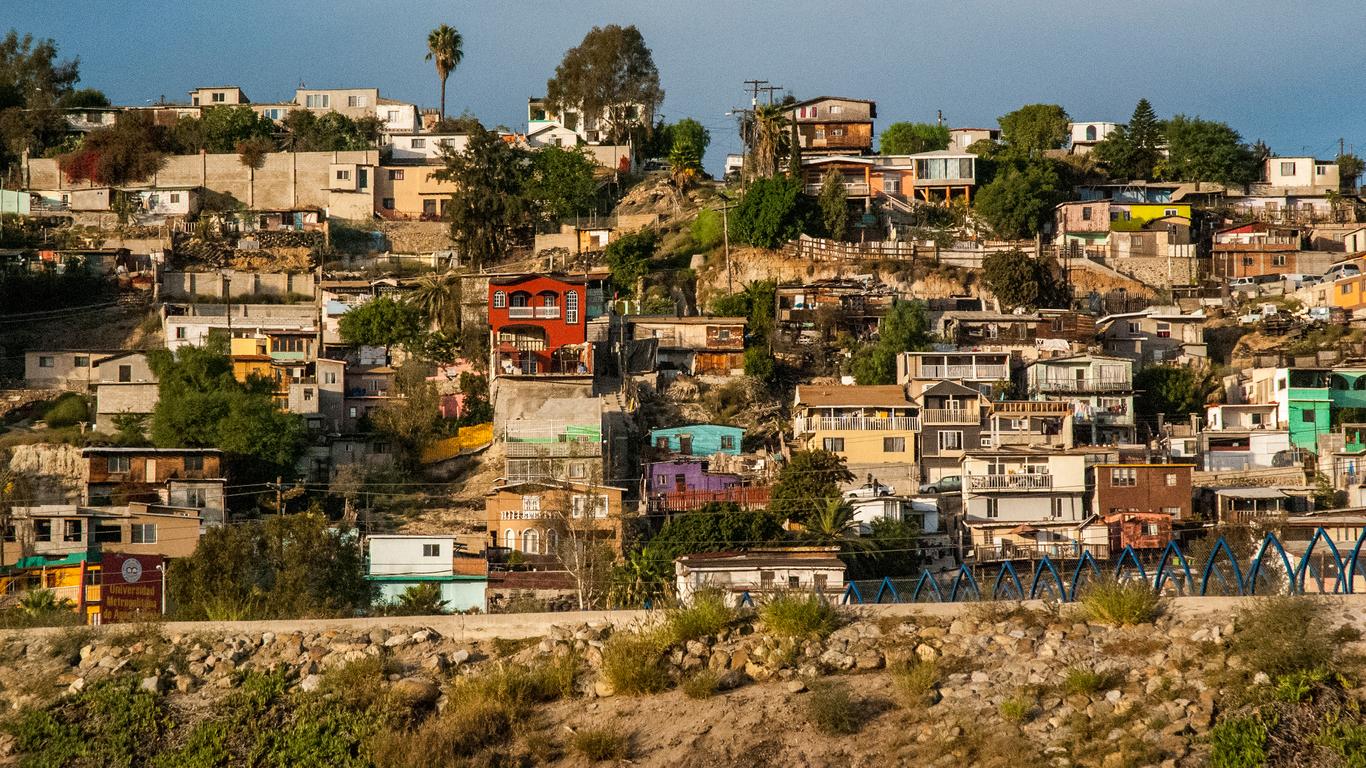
x,y
819,249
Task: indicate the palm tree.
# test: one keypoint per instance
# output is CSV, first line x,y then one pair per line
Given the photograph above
x,y
769,139
438,296
834,524
444,47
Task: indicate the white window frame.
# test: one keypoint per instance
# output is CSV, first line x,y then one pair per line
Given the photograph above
x,y
500,299
142,533
954,444
431,550
531,503
571,308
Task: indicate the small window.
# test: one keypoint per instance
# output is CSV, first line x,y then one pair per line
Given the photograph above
x,y
1307,417
1171,478
1057,508
578,470
396,174
1287,169
1164,330
81,361
46,361
431,550
728,442
308,394
42,530
1135,327
196,497
219,97
175,197
500,299
1151,529
951,440
144,533
893,445
343,175
330,377
993,509
180,332
1086,213
1170,212
833,444
387,203
419,143
1173,511
118,464
531,503
355,101
71,530
1123,477
194,462
1278,260
662,443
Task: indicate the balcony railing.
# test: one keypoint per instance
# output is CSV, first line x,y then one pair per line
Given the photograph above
x,y
950,415
519,514
1106,419
858,423
540,450
982,372
1010,482
537,313
852,189
1106,384
1033,550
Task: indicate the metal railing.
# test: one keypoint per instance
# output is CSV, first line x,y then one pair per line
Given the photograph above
x,y
520,514
950,415
537,313
1036,550
983,372
538,450
1010,482
1107,384
857,423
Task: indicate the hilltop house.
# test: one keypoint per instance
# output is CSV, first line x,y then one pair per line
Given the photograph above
x,y
951,423
125,386
1142,489
833,125
536,518
698,439
1038,423
561,440
397,563
1100,389
184,478
760,571
697,346
983,371
1156,335
64,530
1022,502
874,428
537,326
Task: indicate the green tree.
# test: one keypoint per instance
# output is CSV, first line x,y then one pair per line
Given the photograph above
x,y
755,302
1206,150
33,83
612,74
382,322
475,408
707,229
807,483
1171,390
83,98
1350,168
1019,201
412,421
772,212
1133,151
305,131
445,49
1017,279
220,129
910,138
766,134
437,297
130,150
891,549
419,600
685,162
906,328
287,567
488,210
834,524
1035,128
834,206
628,257
691,132
561,184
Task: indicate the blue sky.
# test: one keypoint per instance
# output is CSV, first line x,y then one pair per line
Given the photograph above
x,y
1266,68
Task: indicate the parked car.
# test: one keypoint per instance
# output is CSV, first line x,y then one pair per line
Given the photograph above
x,y
946,484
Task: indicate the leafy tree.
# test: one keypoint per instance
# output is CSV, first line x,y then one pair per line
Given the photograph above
x,y
130,150
252,152
286,567
221,129
834,206
83,98
612,74
1171,390
418,600
628,257
906,328
561,184
1133,151
691,132
890,550
1019,201
488,210
382,322
1206,150
1034,128
772,212
833,524
759,364
445,49
807,483
201,405
305,131
910,138
766,133
33,83
755,302
1350,168
130,429
685,161
465,122
412,421
1017,279
707,229
476,408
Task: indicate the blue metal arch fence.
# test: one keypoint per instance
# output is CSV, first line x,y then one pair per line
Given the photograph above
x,y
1173,571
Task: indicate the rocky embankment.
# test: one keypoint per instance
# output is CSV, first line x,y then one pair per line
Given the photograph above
x,y
985,684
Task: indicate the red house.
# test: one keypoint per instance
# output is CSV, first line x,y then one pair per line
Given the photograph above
x,y
538,326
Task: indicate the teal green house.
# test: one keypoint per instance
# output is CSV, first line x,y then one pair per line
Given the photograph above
x,y
397,563
698,439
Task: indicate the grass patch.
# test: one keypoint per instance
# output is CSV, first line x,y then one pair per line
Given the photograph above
x,y
832,709
707,615
1085,680
1283,635
1120,603
503,647
799,615
599,744
702,684
632,663
67,411
1016,709
1238,742
916,685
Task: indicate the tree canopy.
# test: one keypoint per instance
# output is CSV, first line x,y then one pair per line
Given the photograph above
x,y
382,322
445,49
1133,151
1206,150
305,131
220,129
1017,279
910,138
906,328
772,212
1034,128
834,206
488,209
1170,390
611,73
561,183
807,483
1019,201
628,257
130,150
34,84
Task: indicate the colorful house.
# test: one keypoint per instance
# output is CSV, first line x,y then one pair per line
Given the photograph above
x,y
538,326
398,563
74,577
698,439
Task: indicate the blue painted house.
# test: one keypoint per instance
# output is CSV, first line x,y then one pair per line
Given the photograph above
x,y
698,439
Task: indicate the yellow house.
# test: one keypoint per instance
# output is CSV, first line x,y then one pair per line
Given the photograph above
x,y
1150,211
74,577
866,425
411,192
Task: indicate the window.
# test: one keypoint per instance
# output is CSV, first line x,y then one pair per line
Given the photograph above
x,y
1150,529
387,203
219,97
391,116
833,444
317,101
143,533
571,307
308,394
1170,212
81,361
531,503
1164,330
195,497
343,175
355,101
727,442
662,443
42,530
1173,511
9,533
1123,477
1135,327
500,299
1171,478
175,197
46,361
993,509
766,579
595,506
578,470
510,539
1086,213
893,445
723,334
118,464
950,440
419,144
836,109
194,462
395,174
1307,417
431,550
273,114
330,377
1090,133
180,332
1278,259
71,530
986,441
1345,288
1287,169
1057,508
531,542
363,177
1320,170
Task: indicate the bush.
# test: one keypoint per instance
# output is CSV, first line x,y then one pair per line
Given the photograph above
x,y
1238,743
1120,603
707,615
832,710
1284,635
707,230
1085,680
1016,710
598,744
702,684
799,615
68,410
916,684
631,663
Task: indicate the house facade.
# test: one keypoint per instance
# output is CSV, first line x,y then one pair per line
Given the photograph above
x,y
184,478
65,530
536,518
538,326
397,563
758,572
1100,389
563,440
833,125
69,369
125,386
697,346
698,439
1021,502
951,424
983,371
1156,335
1142,489
871,427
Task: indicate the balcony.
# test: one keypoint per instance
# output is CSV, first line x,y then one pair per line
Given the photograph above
x,y
1010,482
1106,384
546,450
519,514
857,423
533,313
936,416
1032,550
983,372
851,189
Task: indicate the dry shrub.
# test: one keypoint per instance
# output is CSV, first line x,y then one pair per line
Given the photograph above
x,y
599,744
916,684
632,663
1110,601
832,710
799,615
702,684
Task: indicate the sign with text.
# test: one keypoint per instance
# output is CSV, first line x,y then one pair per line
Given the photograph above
x,y
130,587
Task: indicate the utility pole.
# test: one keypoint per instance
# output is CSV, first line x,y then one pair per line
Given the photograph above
x,y
725,239
755,87
939,119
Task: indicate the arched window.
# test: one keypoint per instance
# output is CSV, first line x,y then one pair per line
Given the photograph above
x,y
510,539
500,299
571,308
1090,133
552,541
531,542
521,299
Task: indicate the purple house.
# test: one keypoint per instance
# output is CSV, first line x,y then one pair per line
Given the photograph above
x,y
687,476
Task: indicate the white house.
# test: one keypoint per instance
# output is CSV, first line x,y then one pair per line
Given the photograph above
x,y
1085,136
1022,500
398,563
1301,173
424,147
760,571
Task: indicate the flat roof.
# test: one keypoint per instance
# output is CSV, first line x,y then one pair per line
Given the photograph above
x,y
121,449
